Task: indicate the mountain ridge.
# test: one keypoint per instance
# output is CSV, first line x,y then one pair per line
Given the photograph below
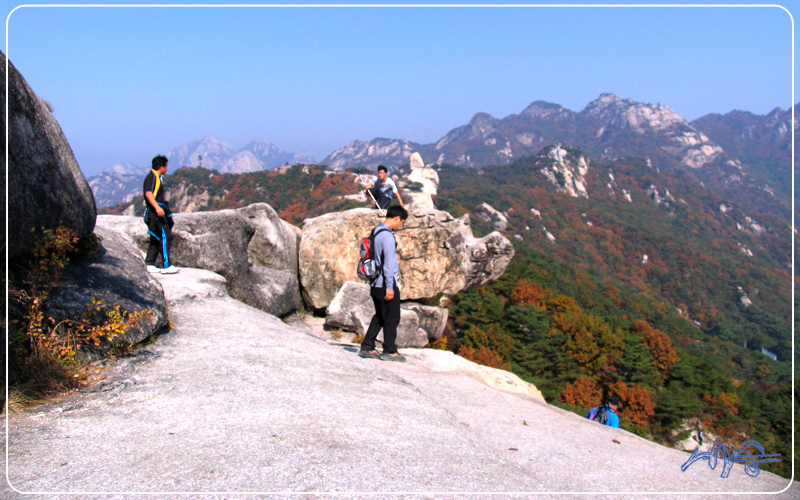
x,y
607,128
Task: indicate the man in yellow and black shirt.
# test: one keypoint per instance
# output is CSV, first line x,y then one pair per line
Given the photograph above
x,y
158,218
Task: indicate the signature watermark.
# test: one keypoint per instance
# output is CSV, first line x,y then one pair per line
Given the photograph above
x,y
742,454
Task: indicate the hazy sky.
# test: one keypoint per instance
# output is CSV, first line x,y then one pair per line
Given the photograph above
x,y
129,83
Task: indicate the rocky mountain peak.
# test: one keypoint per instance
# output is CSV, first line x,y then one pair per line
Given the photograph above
x,y
241,162
126,169
213,151
630,114
260,147
603,103
543,109
482,125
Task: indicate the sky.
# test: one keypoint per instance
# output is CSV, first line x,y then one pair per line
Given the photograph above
x,y
128,83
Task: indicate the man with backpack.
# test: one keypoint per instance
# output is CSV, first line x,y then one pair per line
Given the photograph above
x,y
384,288
605,414
382,188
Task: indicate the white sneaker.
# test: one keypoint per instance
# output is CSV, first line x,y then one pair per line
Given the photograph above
x,y
153,269
170,270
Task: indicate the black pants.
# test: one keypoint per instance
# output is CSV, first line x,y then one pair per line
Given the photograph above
x,y
160,230
387,316
383,201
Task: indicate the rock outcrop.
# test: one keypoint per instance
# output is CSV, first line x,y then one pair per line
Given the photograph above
x,y
45,185
437,254
115,275
566,172
219,242
352,310
422,184
488,213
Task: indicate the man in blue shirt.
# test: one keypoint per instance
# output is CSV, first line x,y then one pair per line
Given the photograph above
x,y
605,414
385,290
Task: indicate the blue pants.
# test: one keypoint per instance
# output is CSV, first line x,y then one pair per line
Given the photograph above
x,y
160,230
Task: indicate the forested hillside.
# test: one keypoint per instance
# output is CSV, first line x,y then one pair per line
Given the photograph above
x,y
650,288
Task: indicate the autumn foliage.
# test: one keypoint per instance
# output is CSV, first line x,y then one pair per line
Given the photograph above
x,y
660,345
583,393
636,403
527,293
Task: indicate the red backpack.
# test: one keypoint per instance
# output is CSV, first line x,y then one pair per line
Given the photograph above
x,y
368,268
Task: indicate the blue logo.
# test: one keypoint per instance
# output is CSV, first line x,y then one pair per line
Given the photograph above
x,y
742,454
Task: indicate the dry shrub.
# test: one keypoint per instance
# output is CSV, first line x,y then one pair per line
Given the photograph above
x,y
44,349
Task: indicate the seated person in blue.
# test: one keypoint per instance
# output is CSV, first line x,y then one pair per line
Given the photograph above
x,y
383,187
605,414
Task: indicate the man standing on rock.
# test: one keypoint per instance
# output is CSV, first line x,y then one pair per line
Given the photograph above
x,y
383,187
385,290
158,218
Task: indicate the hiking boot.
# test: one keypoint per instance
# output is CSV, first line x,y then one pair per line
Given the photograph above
x,y
373,354
170,270
385,356
153,269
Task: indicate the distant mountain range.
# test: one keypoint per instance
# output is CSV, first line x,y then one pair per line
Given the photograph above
x,y
740,155
116,184
121,182
218,155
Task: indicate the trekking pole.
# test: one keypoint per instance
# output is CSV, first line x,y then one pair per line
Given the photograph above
x,y
380,210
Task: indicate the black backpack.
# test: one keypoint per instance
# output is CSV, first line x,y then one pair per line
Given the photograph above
x,y
599,415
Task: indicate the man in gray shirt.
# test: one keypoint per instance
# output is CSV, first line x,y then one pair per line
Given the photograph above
x,y
383,187
385,290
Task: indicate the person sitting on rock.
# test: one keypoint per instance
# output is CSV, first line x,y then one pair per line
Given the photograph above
x,y
382,188
605,414
158,218
385,290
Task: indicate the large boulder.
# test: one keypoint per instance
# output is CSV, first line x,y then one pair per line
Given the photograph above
x,y
352,310
45,184
218,242
214,241
270,290
274,244
437,254
116,275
